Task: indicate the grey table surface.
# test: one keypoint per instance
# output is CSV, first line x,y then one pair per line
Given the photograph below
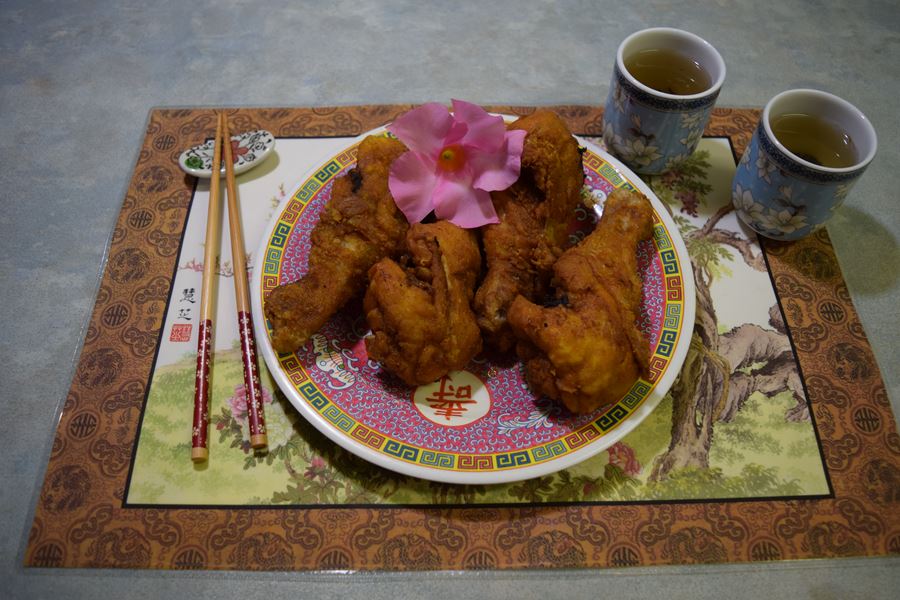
x,y
78,78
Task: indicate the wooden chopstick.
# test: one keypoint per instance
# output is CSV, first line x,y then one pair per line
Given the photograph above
x,y
253,390
199,447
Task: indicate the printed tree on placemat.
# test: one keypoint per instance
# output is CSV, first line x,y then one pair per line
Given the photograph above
x,y
722,370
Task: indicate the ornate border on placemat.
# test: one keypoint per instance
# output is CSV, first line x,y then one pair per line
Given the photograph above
x,y
80,519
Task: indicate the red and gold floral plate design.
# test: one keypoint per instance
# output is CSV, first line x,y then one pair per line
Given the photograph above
x,y
483,424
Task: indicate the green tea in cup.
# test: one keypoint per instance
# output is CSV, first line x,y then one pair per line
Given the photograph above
x,y
815,140
668,71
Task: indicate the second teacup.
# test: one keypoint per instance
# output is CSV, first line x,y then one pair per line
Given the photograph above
x,y
808,150
664,86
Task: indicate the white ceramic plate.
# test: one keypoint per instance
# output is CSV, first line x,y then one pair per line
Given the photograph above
x,y
481,425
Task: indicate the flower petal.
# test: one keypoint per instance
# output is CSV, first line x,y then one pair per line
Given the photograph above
x,y
483,131
456,133
458,202
412,182
424,128
497,171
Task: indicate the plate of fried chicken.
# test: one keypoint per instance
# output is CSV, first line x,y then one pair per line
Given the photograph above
x,y
484,355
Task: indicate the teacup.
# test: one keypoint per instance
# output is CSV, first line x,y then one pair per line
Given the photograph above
x,y
808,150
664,85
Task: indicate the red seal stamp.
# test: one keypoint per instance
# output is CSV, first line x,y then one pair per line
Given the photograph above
x,y
181,332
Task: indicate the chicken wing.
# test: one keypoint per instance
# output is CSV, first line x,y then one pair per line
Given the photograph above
x,y
359,225
587,350
420,316
534,215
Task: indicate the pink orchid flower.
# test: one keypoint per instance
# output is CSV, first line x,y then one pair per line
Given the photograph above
x,y
453,163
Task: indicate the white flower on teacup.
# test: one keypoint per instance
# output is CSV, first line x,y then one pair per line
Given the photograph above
x,y
786,199
610,139
745,158
692,120
840,193
639,152
765,168
783,221
765,227
636,121
744,203
692,138
619,97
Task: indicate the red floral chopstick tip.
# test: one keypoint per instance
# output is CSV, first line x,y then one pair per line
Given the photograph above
x,y
199,432
255,412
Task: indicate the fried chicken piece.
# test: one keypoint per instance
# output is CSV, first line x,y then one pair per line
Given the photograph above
x,y
588,351
360,225
422,324
534,216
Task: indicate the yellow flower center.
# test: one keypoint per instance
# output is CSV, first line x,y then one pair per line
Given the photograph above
x,y
452,158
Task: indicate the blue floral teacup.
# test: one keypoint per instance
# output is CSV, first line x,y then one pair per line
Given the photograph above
x,y
780,190
651,129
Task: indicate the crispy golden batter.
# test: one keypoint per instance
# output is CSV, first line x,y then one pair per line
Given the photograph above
x,y
534,215
359,226
421,320
587,351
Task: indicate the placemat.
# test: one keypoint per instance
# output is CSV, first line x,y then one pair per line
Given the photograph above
x,y
777,442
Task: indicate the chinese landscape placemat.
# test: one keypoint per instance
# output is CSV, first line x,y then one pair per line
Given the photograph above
x,y
777,442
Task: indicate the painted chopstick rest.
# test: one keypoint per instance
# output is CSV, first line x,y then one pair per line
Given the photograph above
x,y
249,150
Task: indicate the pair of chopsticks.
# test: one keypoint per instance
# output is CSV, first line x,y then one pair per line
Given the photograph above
x,y
253,390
